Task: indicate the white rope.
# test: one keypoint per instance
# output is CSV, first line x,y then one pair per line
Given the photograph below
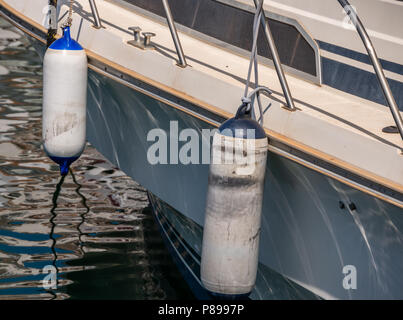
x,y
69,19
250,99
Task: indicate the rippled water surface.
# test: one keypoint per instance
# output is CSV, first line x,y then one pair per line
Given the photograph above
x,y
94,229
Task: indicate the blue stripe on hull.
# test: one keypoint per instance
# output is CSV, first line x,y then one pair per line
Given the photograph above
x,y
358,82
358,56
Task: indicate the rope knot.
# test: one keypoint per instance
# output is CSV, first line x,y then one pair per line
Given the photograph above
x,y
246,100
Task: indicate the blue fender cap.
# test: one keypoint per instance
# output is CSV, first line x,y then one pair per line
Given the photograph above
x,y
66,42
241,125
238,128
64,163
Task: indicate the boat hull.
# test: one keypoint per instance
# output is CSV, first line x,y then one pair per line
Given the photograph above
x,y
313,226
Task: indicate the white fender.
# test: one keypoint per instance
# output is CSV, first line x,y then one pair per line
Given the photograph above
x,y
64,101
233,214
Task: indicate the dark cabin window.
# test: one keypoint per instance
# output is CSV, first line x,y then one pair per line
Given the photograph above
x,y
234,26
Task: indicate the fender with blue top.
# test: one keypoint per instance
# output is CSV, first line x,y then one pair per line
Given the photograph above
x,y
231,231
64,101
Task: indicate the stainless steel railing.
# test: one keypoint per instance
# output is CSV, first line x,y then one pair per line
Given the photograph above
x,y
95,15
276,60
375,63
174,33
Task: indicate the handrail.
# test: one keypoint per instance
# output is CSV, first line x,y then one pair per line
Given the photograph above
x,y
276,60
52,29
181,57
95,14
375,63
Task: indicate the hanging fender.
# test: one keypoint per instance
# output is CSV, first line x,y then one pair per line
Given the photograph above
x,y
64,101
233,210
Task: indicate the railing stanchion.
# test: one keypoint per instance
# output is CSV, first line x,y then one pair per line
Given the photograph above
x,y
277,62
174,33
375,63
95,15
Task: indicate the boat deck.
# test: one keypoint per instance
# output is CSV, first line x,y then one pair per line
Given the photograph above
x,y
329,124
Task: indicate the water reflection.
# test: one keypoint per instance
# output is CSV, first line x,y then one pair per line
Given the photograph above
x,y
94,225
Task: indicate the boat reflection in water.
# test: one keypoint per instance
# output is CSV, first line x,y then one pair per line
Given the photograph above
x,y
93,228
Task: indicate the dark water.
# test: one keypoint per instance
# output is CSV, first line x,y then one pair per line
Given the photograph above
x,y
94,230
